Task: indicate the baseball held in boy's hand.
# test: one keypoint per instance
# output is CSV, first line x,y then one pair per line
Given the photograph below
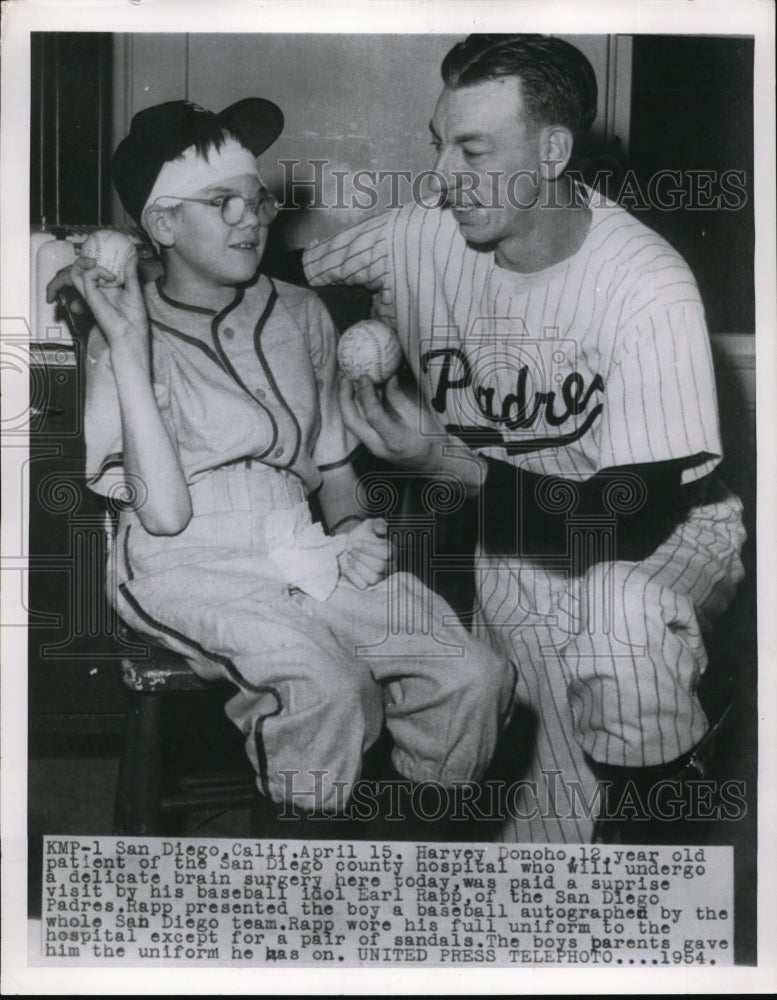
x,y
110,250
369,348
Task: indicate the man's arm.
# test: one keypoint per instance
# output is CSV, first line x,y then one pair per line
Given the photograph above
x,y
519,511
635,507
401,430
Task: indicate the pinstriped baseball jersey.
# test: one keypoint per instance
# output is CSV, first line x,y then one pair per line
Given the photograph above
x,y
600,360
255,380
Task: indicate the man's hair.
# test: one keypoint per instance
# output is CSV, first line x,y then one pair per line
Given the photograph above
x,y
558,83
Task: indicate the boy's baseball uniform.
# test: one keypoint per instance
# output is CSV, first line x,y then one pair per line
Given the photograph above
x,y
599,362
249,590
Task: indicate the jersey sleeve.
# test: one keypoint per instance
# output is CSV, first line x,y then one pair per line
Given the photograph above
x,y
660,395
357,256
335,444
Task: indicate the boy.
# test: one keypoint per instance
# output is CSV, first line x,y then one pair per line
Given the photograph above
x,y
211,398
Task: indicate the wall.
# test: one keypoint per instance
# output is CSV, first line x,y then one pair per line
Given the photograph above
x,y
70,127
692,112
358,102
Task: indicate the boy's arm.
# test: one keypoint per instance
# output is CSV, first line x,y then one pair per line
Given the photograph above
x,y
368,556
337,499
149,456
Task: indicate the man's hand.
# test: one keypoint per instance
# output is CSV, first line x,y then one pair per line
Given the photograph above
x,y
387,422
368,556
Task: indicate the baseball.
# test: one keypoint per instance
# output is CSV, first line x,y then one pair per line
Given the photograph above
x,y
110,249
369,348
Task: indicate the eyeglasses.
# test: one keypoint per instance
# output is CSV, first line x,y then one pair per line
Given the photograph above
x,y
233,207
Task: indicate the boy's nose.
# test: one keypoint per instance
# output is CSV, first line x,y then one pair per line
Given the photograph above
x,y
250,218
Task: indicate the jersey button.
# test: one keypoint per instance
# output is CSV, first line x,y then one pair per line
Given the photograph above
x,y
229,333
278,452
260,392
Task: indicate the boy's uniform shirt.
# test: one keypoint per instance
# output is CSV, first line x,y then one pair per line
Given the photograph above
x,y
255,380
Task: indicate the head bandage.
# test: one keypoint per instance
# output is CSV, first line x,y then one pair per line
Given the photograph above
x,y
189,173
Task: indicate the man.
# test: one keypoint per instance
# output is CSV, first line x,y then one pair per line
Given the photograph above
x,y
565,377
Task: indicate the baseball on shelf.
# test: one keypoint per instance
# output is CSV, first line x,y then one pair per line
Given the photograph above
x,y
369,348
110,249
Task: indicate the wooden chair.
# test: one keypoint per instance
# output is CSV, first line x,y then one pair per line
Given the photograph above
x,y
150,800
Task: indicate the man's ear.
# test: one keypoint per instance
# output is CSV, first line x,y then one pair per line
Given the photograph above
x,y
157,222
557,142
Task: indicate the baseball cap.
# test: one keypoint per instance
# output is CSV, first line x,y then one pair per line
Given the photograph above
x,y
161,133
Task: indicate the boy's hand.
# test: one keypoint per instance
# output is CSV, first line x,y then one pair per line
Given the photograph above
x,y
61,282
120,312
368,556
149,268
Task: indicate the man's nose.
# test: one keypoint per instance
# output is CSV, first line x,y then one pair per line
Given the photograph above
x,y
442,179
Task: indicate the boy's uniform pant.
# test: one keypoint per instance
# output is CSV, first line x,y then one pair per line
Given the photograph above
x,y
316,679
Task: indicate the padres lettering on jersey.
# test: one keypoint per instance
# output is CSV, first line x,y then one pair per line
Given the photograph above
x,y
517,401
600,360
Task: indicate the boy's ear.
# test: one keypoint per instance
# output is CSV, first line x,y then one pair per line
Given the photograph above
x,y
557,142
158,223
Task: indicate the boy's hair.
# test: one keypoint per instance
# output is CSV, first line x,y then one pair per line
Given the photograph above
x,y
162,133
558,83
212,140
